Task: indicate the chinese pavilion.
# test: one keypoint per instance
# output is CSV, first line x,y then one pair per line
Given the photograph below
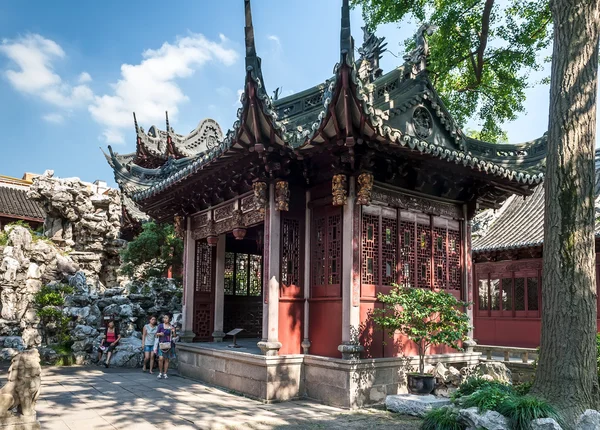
x,y
312,204
507,252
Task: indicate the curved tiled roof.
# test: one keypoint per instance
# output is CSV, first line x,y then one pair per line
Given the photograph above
x,y
520,222
15,204
299,122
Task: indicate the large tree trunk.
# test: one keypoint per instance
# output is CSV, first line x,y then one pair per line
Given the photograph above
x,y
566,373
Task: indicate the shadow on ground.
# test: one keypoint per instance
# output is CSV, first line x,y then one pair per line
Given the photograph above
x,y
77,398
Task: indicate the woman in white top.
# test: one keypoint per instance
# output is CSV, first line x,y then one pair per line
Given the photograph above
x,y
148,337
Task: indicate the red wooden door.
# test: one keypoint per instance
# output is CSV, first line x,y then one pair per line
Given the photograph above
x,y
204,292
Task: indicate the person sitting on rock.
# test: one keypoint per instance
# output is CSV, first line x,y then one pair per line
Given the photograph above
x,y
109,342
148,338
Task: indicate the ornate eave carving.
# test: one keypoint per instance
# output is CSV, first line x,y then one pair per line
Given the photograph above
x,y
400,200
225,217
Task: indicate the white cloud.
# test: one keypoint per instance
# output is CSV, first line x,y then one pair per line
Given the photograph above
x,y
84,77
238,101
54,118
275,40
150,87
110,136
33,56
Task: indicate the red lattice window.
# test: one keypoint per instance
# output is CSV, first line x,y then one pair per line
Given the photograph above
x,y
519,294
423,256
290,252
243,274
454,260
439,257
334,248
407,253
203,269
389,238
326,250
318,251
370,249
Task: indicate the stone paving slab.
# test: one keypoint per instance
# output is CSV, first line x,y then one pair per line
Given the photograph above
x,y
78,398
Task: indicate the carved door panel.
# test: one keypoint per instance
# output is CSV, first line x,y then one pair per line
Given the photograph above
x,y
204,292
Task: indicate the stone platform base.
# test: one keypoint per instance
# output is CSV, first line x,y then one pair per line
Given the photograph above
x,y
350,384
19,423
411,404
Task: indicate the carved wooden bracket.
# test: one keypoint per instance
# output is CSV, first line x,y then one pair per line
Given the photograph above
x,y
338,189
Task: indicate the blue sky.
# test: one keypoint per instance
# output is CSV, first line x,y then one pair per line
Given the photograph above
x,y
70,76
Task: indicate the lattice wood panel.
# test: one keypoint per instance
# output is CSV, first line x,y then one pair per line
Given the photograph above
x,y
203,278
334,248
242,267
454,268
423,256
255,276
202,320
370,249
407,253
440,262
290,252
389,245
229,280
519,294
319,244
532,294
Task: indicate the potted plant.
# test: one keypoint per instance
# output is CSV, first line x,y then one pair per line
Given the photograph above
x,y
427,318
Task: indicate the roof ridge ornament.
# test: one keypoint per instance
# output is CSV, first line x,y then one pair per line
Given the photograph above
x,y
135,123
346,40
370,52
419,55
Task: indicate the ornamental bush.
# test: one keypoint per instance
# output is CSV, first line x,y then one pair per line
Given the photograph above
x,y
520,411
48,303
425,316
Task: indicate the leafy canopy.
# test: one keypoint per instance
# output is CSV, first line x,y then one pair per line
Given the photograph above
x,y
425,316
482,54
155,249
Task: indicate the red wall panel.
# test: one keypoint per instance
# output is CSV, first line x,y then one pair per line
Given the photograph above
x,y
291,321
325,327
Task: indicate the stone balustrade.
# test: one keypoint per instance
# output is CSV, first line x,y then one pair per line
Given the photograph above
x,y
492,351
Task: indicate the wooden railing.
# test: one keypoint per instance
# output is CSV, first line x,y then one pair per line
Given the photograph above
x,y
506,351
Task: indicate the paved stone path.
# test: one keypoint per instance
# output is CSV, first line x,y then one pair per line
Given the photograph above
x,y
82,398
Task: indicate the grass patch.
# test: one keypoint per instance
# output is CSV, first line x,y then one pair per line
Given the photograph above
x,y
487,398
445,418
522,410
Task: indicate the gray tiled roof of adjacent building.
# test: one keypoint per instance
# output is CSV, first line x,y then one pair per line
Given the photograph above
x,y
14,203
520,221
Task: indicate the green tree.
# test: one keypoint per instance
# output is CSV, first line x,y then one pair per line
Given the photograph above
x,y
566,374
481,56
424,316
153,251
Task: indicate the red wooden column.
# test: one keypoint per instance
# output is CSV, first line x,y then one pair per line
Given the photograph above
x,y
271,280
467,268
307,265
189,255
350,347
218,333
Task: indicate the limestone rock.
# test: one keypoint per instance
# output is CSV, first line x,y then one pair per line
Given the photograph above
x,y
411,404
8,297
494,369
8,353
545,424
128,353
31,337
15,342
9,266
589,420
489,420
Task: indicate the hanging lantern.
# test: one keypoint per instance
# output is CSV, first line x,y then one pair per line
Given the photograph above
x,y
338,190
365,187
212,237
260,195
282,195
239,230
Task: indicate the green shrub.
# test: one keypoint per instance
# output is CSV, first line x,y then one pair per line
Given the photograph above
x,y
523,388
48,303
445,418
488,397
520,411
3,238
475,383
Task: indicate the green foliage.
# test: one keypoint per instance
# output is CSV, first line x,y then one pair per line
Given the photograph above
x,y
155,249
445,418
522,410
3,238
424,316
474,383
482,55
523,388
488,397
36,235
48,303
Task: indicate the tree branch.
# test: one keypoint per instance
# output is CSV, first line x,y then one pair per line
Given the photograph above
x,y
483,37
